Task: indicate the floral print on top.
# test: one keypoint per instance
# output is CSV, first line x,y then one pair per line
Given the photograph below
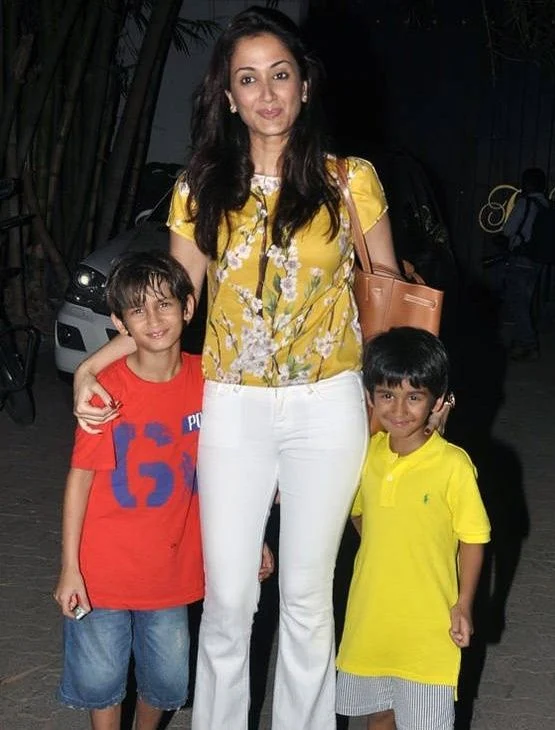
x,y
288,317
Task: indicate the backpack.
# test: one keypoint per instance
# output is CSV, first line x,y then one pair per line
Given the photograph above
x,y
541,245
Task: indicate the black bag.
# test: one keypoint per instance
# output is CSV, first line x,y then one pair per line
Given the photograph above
x,y
541,245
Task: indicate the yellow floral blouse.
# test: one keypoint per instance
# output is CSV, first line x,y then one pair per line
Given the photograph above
x,y
297,321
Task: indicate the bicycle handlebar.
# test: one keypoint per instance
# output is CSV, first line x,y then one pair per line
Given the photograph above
x,y
15,221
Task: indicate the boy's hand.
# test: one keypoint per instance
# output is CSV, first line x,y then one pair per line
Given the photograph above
x,y
461,625
267,564
71,592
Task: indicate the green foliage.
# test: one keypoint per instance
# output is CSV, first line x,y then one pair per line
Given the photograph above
x,y
524,30
186,33
516,30
193,32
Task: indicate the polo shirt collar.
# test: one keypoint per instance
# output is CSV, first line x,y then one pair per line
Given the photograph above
x,y
431,446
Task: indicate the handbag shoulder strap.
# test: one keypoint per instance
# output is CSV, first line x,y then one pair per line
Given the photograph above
x,y
358,236
356,228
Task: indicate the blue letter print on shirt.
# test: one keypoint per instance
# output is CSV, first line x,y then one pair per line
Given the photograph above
x,y
191,422
124,433
159,471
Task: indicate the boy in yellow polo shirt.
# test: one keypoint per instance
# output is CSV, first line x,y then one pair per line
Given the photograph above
x,y
423,526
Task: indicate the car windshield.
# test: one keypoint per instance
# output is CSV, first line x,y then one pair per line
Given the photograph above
x,y
160,211
155,192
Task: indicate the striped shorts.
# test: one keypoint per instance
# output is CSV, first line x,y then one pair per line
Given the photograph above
x,y
417,706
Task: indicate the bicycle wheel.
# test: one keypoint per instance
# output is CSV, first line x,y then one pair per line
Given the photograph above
x,y
18,403
21,407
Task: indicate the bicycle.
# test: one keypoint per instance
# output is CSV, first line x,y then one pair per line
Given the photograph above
x,y
15,368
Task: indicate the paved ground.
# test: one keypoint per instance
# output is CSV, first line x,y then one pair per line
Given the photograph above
x,y
513,435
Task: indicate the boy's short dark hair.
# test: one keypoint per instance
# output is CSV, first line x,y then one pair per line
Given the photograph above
x,y
406,353
134,273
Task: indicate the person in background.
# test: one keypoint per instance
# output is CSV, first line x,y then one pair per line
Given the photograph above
x,y
423,525
521,273
259,212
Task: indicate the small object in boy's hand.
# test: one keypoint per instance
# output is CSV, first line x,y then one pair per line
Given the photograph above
x,y
79,612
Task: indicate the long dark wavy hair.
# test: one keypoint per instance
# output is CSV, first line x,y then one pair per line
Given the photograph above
x,y
220,168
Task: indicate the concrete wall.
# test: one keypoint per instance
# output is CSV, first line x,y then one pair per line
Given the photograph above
x,y
170,133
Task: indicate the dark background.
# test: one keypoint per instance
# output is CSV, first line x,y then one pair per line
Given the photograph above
x,y
418,79
447,107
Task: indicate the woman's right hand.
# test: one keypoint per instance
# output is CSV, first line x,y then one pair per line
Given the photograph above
x,y
85,386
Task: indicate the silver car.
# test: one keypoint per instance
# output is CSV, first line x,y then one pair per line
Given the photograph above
x,y
83,321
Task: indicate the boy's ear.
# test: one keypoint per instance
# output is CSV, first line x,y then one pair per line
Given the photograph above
x,y
189,309
369,398
118,324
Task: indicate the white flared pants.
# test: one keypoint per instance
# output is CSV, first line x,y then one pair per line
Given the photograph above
x,y
311,439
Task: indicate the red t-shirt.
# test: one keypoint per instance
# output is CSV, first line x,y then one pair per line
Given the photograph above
x,y
140,542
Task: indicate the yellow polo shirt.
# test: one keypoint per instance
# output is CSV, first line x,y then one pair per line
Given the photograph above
x,y
294,320
414,509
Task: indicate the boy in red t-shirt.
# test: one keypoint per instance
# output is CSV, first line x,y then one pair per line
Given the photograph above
x,y
131,554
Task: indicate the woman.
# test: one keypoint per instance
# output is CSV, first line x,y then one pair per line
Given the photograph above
x,y
259,211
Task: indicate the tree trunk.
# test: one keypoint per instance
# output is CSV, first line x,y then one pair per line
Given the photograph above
x,y
164,14
41,232
13,91
98,125
144,130
13,294
42,88
71,92
106,128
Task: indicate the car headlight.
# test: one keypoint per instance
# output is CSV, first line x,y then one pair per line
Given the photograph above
x,y
87,289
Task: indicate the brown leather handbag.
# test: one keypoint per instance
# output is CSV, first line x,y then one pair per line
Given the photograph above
x,y
384,297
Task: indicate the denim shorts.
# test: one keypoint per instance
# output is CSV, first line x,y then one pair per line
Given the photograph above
x,y
98,648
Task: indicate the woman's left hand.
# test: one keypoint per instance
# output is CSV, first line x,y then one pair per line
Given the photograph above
x,y
267,564
438,420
